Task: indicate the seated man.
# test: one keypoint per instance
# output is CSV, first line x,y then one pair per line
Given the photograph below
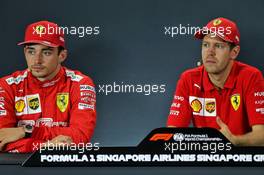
x,y
222,93
46,102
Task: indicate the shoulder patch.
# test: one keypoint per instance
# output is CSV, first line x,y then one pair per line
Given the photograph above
x,y
73,76
16,80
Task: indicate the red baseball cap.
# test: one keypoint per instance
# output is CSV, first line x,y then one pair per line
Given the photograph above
x,y
223,28
44,32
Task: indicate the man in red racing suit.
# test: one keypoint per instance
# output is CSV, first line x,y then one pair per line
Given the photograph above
x,y
222,93
46,102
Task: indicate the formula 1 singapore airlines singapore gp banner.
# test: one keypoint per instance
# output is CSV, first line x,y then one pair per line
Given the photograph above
x,y
161,147
135,52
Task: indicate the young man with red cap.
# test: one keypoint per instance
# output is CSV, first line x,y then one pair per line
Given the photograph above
x,y
222,93
46,102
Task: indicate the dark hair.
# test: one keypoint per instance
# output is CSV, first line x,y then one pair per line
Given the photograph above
x,y
60,48
231,45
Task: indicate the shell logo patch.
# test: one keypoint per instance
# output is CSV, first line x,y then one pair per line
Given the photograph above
x,y
29,104
196,105
201,106
210,106
20,105
62,101
216,22
235,101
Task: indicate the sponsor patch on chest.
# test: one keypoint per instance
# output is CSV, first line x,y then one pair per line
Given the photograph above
x,y
29,104
203,106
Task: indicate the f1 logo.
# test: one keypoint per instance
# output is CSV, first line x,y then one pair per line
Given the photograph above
x,y
161,136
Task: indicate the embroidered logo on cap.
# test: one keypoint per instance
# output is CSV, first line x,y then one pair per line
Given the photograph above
x,y
39,29
216,22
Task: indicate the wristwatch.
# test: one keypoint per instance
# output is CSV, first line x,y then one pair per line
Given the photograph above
x,y
28,130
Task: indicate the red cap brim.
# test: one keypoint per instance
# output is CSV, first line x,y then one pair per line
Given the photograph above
x,y
200,35
46,43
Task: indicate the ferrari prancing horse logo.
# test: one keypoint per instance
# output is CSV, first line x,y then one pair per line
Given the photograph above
x,y
235,101
62,101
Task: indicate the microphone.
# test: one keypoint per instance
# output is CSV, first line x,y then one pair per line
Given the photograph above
x,y
199,62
